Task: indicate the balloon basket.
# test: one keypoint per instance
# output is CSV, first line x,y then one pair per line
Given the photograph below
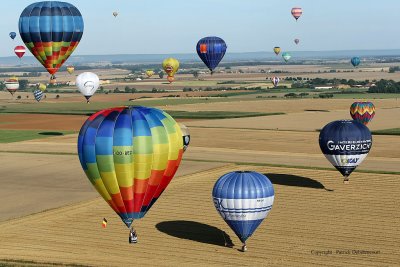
x,y
244,248
346,180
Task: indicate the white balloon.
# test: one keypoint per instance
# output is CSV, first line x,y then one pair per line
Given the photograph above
x,y
87,83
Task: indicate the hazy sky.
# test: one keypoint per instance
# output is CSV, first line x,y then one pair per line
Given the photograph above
x,y
175,26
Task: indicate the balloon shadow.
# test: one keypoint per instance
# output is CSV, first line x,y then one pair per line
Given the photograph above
x,y
294,180
317,110
51,133
196,231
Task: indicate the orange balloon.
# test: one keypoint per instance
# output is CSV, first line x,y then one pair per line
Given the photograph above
x,y
170,79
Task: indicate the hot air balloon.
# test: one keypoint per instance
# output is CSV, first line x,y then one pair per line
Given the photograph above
x,y
170,79
19,51
38,94
87,83
70,69
296,12
297,41
211,50
362,112
185,136
130,154
286,56
243,199
170,66
42,87
12,85
345,143
275,81
277,50
12,35
51,30
355,61
149,73
115,14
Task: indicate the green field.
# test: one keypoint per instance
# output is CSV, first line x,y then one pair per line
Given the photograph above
x,y
394,131
8,136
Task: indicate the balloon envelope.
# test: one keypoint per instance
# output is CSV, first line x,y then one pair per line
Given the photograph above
x,y
170,66
243,199
355,61
297,12
170,79
38,94
149,73
12,85
12,35
42,87
87,83
277,50
286,56
211,50
362,112
70,69
51,30
130,154
345,143
297,41
185,136
115,13
19,51
275,81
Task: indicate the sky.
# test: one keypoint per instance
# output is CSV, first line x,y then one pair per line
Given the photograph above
x,y
175,26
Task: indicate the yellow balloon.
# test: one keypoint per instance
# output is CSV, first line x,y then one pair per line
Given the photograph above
x,y
70,69
42,87
170,66
277,50
149,73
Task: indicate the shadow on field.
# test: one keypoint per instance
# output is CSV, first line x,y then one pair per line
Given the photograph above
x,y
317,110
195,231
51,133
294,180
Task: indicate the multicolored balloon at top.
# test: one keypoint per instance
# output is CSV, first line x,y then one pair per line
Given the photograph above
x,y
12,35
243,199
51,30
362,112
211,50
297,12
345,143
355,61
130,155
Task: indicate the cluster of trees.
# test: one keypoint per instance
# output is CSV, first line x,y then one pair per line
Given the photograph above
x,y
385,86
394,69
294,95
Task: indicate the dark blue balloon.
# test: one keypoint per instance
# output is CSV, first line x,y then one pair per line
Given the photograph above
x,y
12,35
345,143
211,50
355,61
243,199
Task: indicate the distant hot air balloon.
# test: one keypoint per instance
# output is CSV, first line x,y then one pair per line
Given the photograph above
x,y
275,81
38,94
12,35
149,73
297,12
130,155
170,66
19,51
345,143
286,56
243,199
277,50
211,50
12,85
297,41
70,69
51,30
362,112
355,61
87,83
115,14
42,87
185,136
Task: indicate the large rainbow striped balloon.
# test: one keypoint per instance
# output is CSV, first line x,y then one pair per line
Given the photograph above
x,y
363,112
130,154
51,30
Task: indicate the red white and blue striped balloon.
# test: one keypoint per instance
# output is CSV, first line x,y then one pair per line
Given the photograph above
x,y
243,199
275,81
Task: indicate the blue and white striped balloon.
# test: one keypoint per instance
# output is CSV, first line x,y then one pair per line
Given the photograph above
x,y
243,199
38,94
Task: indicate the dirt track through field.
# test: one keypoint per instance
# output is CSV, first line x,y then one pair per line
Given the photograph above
x,y
312,213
